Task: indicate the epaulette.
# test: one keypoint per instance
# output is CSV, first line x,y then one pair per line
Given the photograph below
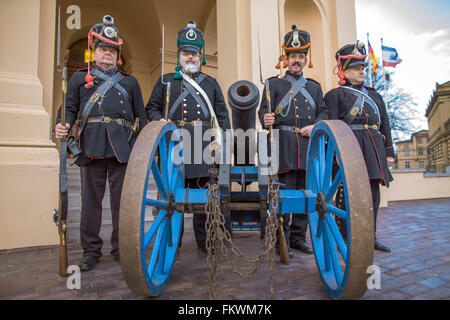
x,y
123,72
309,79
206,74
273,77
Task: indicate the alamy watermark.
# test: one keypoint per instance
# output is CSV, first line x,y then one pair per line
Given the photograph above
x,y
74,279
374,280
198,147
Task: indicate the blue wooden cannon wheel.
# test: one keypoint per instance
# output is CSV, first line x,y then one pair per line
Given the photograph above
x,y
342,264
148,254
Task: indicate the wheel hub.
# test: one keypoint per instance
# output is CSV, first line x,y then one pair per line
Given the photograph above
x,y
321,205
171,206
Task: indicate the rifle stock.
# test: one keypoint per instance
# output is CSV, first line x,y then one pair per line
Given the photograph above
x,y
284,254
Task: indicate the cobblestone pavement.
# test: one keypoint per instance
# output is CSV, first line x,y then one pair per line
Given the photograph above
x,y
417,268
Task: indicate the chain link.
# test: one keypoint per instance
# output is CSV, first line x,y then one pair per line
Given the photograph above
x,y
217,236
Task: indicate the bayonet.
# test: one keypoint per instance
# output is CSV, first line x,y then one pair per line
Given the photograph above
x,y
168,84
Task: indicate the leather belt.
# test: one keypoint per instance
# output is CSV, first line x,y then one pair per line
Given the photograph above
x,y
182,123
121,121
288,128
363,127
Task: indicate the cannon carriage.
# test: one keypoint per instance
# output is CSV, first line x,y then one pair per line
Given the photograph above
x,y
337,189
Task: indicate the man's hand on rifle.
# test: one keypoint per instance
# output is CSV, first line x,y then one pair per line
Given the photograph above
x,y
269,119
61,131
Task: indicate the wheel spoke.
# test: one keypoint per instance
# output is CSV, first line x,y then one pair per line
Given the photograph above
x,y
170,166
321,159
155,225
162,251
162,188
334,258
317,173
156,248
328,165
163,159
313,222
169,232
334,186
337,237
339,212
326,250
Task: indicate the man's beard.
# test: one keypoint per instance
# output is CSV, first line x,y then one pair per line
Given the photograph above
x,y
191,67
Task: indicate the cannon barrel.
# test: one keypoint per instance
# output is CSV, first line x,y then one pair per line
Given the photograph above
x,y
243,98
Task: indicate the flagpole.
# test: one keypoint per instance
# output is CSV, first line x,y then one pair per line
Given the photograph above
x,y
384,74
370,63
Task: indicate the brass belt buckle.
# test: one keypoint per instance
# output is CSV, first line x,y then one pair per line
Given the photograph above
x,y
120,121
297,130
181,123
106,119
374,127
94,98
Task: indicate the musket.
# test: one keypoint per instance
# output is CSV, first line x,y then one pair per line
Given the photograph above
x,y
284,254
60,215
168,84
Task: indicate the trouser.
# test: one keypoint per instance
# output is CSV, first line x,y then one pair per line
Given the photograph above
x,y
199,219
375,190
294,180
93,185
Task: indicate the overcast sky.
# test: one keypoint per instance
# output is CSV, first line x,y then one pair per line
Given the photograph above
x,y
420,31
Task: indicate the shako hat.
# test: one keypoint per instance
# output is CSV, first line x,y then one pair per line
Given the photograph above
x,y
189,38
350,55
103,34
295,41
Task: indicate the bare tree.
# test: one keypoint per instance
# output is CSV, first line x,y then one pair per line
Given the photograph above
x,y
401,108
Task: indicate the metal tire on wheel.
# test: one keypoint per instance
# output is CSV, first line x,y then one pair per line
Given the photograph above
x,y
342,264
147,254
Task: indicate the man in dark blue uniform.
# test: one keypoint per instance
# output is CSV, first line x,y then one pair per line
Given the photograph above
x,y
111,111
297,105
196,100
363,109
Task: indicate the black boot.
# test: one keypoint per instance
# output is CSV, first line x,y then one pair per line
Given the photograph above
x,y
302,245
88,263
381,247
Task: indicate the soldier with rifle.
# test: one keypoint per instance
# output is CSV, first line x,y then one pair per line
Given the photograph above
x,y
297,104
195,103
110,111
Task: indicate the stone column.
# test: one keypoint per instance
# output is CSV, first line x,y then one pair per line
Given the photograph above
x,y
29,160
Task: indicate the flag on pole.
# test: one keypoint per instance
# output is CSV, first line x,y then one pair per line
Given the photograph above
x,y
390,57
373,58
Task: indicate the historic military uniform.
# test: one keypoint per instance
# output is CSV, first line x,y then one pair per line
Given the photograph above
x,y
297,102
363,109
111,111
189,110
